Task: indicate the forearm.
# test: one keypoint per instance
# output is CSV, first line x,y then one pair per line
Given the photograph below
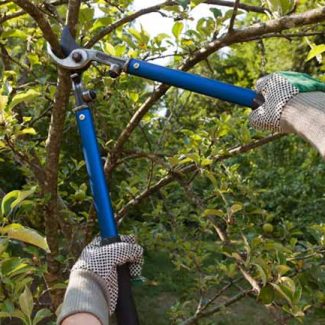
x,y
305,115
84,301
81,319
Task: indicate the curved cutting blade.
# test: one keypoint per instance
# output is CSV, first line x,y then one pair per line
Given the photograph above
x,y
68,44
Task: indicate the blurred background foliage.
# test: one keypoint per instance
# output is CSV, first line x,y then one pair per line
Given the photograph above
x,y
236,236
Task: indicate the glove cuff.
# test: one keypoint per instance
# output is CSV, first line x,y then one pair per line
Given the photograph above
x,y
85,295
305,115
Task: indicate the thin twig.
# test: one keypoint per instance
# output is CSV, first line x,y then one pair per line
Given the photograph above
x,y
12,16
190,168
243,6
233,16
42,23
237,36
105,31
287,36
193,320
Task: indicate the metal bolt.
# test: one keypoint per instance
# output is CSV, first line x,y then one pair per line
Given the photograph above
x,y
76,57
88,95
136,65
82,117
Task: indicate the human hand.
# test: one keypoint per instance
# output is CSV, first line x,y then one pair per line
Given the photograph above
x,y
102,261
279,89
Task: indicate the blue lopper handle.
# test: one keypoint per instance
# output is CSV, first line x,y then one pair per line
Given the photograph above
x,y
195,83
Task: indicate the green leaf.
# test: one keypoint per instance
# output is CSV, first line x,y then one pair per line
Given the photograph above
x,y
177,29
266,295
9,264
134,96
16,33
40,315
211,178
282,269
7,200
195,3
86,14
315,51
206,162
4,314
135,33
22,267
109,48
24,97
297,295
14,199
27,235
280,7
26,302
3,102
236,207
183,3
19,314
3,245
261,273
283,292
216,12
213,212
30,131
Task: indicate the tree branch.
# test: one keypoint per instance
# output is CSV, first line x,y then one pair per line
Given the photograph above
x,y
193,320
244,34
191,168
73,15
42,22
255,286
22,12
238,36
105,31
286,35
243,6
12,16
233,16
53,143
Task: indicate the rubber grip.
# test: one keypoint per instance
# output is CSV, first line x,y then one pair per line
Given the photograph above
x,y
258,101
126,313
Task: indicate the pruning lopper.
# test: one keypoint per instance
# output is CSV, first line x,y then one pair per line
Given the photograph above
x,y
77,60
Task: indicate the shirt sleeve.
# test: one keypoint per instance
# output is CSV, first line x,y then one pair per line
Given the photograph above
x,y
84,295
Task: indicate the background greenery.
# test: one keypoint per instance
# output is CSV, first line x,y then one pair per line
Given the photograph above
x,y
231,219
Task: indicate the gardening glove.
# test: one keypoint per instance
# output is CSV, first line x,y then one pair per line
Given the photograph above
x,y
294,103
93,286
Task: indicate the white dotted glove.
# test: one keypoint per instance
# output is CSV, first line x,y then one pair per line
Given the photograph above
x,y
103,260
277,89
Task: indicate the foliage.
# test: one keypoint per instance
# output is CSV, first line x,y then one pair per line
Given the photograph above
x,y
236,217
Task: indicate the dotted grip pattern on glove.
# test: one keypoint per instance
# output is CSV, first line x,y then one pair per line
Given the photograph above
x,y
103,262
277,91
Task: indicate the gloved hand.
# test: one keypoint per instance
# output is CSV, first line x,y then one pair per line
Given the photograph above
x,y
294,103
93,286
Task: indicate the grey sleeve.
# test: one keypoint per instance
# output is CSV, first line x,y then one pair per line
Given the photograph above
x,y
84,294
304,115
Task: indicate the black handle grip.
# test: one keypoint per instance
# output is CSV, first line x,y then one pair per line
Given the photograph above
x,y
258,101
126,312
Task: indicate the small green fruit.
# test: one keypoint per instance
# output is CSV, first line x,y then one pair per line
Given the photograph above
x,y
268,228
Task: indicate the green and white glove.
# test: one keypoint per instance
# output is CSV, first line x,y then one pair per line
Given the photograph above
x,y
93,286
278,88
294,103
